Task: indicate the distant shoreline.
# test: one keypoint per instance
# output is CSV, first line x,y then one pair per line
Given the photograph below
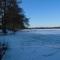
x,y
44,28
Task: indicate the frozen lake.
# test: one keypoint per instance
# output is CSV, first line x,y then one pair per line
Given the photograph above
x,y
33,45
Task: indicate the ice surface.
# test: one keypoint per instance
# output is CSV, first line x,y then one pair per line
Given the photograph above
x,y
33,45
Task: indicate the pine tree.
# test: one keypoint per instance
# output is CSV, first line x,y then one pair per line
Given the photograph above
x,y
2,11
14,17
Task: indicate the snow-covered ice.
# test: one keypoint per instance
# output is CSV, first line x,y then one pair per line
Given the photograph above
x,y
33,45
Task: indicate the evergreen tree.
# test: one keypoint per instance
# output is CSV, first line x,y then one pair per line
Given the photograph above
x,y
2,11
14,17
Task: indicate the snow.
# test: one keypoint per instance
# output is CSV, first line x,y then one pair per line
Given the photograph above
x,y
33,45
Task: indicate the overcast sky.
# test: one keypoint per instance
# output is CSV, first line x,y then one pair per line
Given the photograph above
x,y
42,12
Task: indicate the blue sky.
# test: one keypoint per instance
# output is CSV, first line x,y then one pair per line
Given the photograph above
x,y
42,12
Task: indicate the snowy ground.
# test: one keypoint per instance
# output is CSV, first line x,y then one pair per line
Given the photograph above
x,y
33,45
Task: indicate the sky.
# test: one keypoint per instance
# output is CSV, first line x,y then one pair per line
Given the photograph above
x,y
42,13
